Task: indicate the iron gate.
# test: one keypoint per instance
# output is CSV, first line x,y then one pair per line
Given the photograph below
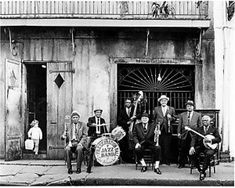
x,y
175,81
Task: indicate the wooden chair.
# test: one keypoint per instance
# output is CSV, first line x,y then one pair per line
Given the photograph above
x,y
148,157
211,165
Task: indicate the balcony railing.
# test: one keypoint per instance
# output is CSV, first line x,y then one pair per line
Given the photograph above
x,y
103,9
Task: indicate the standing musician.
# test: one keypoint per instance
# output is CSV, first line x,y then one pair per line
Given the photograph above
x,y
165,115
97,127
198,147
193,120
144,137
124,120
76,140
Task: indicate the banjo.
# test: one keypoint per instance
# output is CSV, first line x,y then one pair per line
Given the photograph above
x,y
206,143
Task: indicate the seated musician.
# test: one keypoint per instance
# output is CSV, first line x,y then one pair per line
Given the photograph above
x,y
198,147
76,140
144,134
97,127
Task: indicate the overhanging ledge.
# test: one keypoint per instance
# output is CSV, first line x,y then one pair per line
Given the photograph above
x,y
60,22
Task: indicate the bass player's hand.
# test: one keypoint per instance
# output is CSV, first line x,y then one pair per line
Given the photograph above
x,y
191,151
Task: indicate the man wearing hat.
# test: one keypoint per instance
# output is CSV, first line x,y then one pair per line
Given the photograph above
x,y
143,135
97,127
76,140
198,147
165,115
125,117
193,120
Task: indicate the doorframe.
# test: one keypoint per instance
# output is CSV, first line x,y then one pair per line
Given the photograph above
x,y
114,61
25,112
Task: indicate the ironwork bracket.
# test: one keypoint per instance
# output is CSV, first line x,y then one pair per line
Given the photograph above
x,y
147,43
73,41
12,43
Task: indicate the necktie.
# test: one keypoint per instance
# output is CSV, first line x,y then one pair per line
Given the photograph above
x,y
73,132
145,128
206,129
189,117
98,127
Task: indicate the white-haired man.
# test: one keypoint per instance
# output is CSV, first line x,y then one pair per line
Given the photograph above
x,y
198,147
165,115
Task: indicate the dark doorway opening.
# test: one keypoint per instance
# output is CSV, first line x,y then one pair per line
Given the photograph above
x,y
175,81
36,100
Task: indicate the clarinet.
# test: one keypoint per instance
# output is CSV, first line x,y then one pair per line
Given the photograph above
x,y
157,133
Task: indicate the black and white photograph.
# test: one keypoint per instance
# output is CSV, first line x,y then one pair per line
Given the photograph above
x,y
117,93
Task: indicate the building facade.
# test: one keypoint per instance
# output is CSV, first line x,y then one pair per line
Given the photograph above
x,y
59,56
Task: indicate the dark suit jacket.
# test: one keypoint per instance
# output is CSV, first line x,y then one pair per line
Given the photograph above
x,y
196,121
158,117
140,137
80,132
123,118
92,130
197,141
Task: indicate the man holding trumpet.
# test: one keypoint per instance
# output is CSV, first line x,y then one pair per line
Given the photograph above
x,y
145,136
165,115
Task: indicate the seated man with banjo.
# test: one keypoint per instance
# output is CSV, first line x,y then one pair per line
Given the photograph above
x,y
205,140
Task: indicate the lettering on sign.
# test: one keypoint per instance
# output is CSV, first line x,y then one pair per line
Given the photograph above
x,y
107,151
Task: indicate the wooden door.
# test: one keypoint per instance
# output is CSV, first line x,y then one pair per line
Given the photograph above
x,y
13,109
59,104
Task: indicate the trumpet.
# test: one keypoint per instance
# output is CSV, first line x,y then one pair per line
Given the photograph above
x,y
169,124
157,132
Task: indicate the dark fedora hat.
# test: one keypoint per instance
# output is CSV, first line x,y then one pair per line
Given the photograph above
x,y
145,115
189,102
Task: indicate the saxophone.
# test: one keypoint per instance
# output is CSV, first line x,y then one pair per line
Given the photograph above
x,y
157,132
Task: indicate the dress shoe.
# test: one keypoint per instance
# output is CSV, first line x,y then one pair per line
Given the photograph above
x,y
88,170
168,163
78,171
202,175
158,171
181,166
70,171
144,169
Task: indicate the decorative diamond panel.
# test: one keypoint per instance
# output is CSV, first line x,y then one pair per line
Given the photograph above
x,y
59,80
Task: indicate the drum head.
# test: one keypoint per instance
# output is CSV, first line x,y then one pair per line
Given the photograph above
x,y
107,151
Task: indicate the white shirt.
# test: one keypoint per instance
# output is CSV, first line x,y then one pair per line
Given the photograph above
x,y
164,109
73,132
96,119
128,111
35,133
191,115
145,125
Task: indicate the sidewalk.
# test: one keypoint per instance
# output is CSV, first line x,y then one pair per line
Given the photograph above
x,y
53,172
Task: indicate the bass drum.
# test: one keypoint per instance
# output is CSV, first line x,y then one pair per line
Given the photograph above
x,y
107,151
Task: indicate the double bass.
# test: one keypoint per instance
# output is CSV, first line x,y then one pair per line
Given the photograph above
x,y
132,121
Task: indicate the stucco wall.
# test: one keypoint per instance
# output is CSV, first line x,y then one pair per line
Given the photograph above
x,y
94,47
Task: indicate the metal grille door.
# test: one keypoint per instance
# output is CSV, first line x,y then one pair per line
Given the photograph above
x,y
177,82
